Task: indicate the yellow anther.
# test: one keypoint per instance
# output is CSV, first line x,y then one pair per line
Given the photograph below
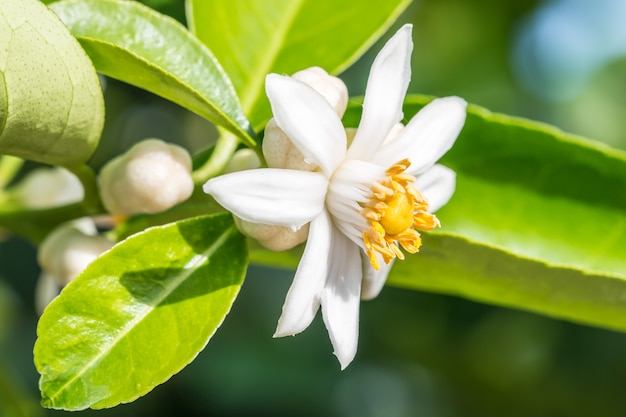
x,y
395,210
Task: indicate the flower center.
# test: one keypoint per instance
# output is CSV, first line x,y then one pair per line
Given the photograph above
x,y
398,216
394,212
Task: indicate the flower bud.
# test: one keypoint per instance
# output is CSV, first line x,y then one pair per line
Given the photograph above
x,y
68,250
275,238
242,160
330,87
49,187
46,290
278,150
151,177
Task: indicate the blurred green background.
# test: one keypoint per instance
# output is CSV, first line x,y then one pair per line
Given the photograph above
x,y
420,354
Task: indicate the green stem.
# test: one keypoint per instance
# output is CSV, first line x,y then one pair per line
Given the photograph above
x,y
9,166
225,147
91,200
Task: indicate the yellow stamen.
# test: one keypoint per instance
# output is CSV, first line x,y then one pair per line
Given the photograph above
x,y
395,210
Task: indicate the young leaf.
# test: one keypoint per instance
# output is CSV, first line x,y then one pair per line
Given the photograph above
x,y
51,105
139,313
132,43
252,38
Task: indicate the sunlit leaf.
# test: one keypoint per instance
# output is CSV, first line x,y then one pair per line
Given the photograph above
x,y
132,43
252,38
139,313
51,106
537,192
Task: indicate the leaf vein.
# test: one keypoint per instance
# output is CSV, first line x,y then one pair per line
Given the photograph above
x,y
197,260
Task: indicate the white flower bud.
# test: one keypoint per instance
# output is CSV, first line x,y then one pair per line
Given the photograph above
x,y
275,238
242,160
68,250
46,290
278,150
49,187
330,87
151,177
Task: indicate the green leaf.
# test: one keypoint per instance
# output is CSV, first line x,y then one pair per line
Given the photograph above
x,y
51,105
537,222
132,43
456,265
252,38
139,313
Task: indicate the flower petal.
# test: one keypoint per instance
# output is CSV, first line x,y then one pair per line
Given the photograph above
x,y
429,135
272,196
303,298
437,185
341,298
308,120
374,280
386,86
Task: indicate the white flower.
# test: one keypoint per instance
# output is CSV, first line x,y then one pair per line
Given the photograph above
x,y
150,177
362,203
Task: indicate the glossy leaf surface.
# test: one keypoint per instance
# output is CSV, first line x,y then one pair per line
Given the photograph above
x,y
135,44
252,38
139,313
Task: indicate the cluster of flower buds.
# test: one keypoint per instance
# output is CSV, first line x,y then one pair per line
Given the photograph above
x,y
279,152
151,177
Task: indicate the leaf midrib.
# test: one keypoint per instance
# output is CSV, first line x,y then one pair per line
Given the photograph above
x,y
174,284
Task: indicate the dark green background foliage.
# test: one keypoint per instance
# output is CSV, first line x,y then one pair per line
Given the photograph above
x,y
420,354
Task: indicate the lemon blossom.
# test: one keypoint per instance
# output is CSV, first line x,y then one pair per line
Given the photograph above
x,y
363,202
279,152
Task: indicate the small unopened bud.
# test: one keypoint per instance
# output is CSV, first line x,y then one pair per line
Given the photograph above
x,y
151,177
330,87
275,238
49,187
243,160
278,149
280,152
46,290
68,250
